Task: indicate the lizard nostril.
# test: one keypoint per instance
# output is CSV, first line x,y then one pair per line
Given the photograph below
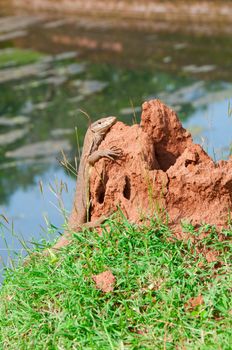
x,y
127,188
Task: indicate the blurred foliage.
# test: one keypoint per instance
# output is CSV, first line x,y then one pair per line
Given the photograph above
x,y
16,57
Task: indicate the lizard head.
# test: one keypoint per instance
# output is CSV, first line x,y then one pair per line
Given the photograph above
x,y
102,125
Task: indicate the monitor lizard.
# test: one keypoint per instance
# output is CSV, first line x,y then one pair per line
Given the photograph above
x,y
90,155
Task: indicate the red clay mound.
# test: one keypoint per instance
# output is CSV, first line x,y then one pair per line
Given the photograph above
x,y
161,171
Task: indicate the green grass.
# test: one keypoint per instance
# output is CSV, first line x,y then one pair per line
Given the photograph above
x,y
17,57
52,302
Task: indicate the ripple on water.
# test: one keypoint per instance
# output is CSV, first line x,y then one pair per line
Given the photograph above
x,y
199,69
13,35
14,23
9,121
40,149
88,87
12,136
61,132
22,72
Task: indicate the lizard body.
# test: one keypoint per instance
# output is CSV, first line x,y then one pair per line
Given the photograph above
x,y
90,155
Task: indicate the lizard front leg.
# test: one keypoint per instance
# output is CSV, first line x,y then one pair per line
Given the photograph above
x,y
111,154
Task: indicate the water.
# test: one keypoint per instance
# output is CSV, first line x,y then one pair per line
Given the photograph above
x,y
53,66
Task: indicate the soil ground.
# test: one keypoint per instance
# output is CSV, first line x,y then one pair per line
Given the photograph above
x,y
205,11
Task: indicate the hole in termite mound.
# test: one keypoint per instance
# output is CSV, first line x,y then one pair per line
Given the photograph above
x,y
127,188
101,189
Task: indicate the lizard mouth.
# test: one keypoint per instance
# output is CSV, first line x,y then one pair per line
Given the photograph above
x,y
112,120
103,124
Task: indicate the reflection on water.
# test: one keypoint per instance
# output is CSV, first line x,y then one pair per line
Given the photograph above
x,y
33,210
51,67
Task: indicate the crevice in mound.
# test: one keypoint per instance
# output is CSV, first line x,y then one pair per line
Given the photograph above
x,y
127,188
101,189
165,159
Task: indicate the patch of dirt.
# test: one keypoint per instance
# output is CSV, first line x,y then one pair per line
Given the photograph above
x,y
141,331
161,172
209,254
104,281
194,302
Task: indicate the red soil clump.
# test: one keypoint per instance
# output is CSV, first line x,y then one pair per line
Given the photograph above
x,y
161,171
194,302
104,281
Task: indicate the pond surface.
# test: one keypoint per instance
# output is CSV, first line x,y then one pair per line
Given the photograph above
x,y
54,67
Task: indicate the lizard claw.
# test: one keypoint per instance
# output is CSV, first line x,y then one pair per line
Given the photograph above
x,y
116,151
113,153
